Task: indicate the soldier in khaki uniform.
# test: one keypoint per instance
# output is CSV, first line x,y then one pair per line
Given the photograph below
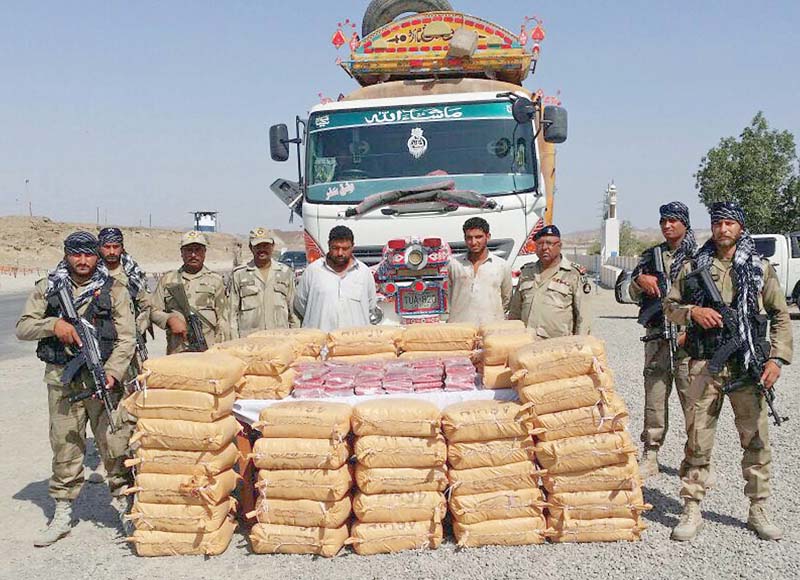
x,y
549,295
261,295
106,304
678,247
205,291
749,284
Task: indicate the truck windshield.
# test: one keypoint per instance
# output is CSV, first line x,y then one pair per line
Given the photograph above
x,y
353,154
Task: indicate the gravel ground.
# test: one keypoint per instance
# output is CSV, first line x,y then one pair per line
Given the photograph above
x,y
725,548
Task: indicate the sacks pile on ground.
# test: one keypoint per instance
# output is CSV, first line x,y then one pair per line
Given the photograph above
x,y
363,343
309,342
400,474
437,340
579,424
268,374
494,493
498,340
184,454
304,479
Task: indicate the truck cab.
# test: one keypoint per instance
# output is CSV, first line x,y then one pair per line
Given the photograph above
x,y
783,252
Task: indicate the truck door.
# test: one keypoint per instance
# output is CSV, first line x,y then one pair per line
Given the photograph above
x,y
793,270
775,248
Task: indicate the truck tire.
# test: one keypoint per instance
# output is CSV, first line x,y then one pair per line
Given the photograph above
x,y
380,12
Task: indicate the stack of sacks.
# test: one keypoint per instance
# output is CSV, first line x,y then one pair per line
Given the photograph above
x,y
459,374
498,341
268,374
437,340
494,493
592,483
184,454
304,479
427,374
309,342
400,474
363,343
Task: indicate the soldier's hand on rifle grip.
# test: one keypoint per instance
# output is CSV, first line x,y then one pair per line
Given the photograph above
x,y
649,285
771,374
706,317
111,382
66,333
177,325
681,340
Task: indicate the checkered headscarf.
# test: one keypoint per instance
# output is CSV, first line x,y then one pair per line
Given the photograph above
x,y
78,243
679,211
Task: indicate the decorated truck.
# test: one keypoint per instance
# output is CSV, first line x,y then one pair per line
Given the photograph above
x,y
440,130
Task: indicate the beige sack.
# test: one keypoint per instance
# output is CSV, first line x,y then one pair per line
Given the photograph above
x,y
207,372
485,421
586,452
508,532
182,405
274,387
185,435
437,354
596,505
564,394
317,484
279,539
415,506
357,358
387,538
298,453
308,341
605,530
184,462
396,417
522,475
181,517
497,346
307,419
497,505
600,418
618,476
363,340
156,543
497,377
469,454
557,358
263,356
184,489
303,512
501,326
439,336
400,479
386,451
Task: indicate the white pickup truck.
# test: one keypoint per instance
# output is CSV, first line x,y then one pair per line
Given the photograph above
x,y
783,251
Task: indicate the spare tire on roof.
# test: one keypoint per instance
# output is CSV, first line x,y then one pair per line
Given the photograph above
x,y
380,12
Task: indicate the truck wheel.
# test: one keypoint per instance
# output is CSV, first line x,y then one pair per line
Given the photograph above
x,y
380,12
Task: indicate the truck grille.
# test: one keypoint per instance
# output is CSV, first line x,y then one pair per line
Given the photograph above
x,y
502,247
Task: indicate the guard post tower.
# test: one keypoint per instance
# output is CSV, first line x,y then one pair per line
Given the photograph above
x,y
610,231
205,221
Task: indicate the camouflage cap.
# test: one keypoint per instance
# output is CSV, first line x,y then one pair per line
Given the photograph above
x,y
194,237
261,236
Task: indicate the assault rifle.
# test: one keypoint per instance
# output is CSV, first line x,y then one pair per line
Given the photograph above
x,y
89,356
652,308
196,341
700,279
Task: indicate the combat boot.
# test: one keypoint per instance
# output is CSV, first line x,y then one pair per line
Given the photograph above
x,y
690,524
648,466
758,521
59,526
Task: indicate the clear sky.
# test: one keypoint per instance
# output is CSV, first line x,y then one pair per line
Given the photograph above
x,y
159,108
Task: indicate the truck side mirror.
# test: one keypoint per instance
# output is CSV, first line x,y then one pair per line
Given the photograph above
x,y
523,110
279,142
555,124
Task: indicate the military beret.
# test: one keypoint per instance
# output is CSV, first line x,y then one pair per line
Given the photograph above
x,y
550,230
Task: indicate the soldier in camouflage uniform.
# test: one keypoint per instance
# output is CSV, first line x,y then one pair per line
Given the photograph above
x,y
748,283
204,289
549,297
106,304
261,295
678,247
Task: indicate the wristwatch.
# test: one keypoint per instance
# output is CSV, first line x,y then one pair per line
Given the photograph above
x,y
778,361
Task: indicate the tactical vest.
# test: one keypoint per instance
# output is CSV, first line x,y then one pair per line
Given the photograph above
x,y
98,313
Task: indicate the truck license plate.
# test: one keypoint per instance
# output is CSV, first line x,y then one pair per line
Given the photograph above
x,y
425,301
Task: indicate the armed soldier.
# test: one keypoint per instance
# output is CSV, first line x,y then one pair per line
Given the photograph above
x,y
105,303
261,293
665,360
122,267
549,295
747,296
190,303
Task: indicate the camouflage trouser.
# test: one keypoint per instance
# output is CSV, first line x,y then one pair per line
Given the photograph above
x,y
68,442
750,417
658,379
